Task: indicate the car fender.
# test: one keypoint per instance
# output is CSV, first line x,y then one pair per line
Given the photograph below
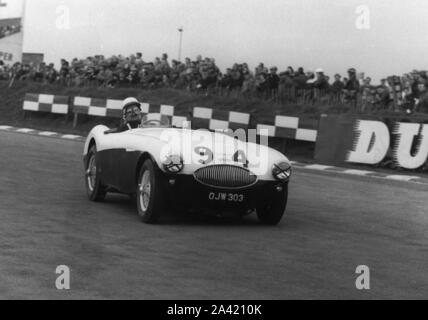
x,y
95,134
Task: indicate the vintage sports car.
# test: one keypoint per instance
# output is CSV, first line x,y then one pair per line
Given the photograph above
x,y
200,170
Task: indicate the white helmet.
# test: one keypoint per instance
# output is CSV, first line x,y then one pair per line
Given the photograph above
x,y
129,102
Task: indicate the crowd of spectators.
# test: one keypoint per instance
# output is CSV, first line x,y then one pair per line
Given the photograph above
x,y
406,93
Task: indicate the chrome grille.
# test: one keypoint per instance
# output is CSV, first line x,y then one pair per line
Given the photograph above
x,y
225,176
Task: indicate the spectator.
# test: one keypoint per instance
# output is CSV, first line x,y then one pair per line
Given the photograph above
x,y
352,87
337,88
367,94
202,75
300,79
165,68
260,80
272,82
64,72
237,78
248,85
290,71
381,98
287,90
321,83
226,80
422,102
51,74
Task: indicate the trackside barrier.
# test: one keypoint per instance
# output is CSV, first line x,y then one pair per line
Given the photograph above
x,y
392,141
206,118
46,103
297,128
279,126
113,108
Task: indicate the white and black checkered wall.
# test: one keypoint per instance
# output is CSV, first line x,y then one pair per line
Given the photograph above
x,y
46,103
113,108
297,128
212,119
280,126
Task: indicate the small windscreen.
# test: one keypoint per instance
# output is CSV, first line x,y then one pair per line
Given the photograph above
x,y
155,120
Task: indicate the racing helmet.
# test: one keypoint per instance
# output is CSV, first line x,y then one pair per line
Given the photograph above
x,y
129,102
131,116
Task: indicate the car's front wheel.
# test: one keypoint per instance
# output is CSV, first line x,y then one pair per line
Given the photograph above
x,y
149,202
94,188
272,213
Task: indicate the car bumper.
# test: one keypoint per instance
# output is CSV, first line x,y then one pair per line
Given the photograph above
x,y
185,191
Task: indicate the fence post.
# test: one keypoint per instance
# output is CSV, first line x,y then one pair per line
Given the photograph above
x,y
67,116
75,120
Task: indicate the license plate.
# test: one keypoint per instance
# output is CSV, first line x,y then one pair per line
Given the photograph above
x,y
226,197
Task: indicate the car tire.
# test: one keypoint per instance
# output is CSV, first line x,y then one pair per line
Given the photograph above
x,y
272,213
149,192
94,188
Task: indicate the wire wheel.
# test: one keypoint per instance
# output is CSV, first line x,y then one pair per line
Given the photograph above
x,y
94,188
150,204
145,190
91,173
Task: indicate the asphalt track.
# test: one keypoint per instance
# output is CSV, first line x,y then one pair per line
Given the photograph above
x,y
333,224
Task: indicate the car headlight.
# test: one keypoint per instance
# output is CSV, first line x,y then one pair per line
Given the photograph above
x,y
282,171
173,163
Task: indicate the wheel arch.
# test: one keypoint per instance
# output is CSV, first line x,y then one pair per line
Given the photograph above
x,y
143,157
94,137
92,143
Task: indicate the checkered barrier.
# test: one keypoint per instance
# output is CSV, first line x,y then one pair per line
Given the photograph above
x,y
46,103
298,128
280,126
113,108
97,107
206,118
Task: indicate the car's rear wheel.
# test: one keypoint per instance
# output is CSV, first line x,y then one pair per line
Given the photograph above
x,y
149,202
94,188
272,213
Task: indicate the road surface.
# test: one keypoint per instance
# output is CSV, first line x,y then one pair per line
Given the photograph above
x,y
333,224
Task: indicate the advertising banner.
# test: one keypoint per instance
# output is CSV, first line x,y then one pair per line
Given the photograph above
x,y
372,140
11,34
11,48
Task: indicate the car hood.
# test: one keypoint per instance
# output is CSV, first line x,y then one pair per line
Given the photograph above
x,y
225,148
198,148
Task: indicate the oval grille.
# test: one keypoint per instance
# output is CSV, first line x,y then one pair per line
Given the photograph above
x,y
225,176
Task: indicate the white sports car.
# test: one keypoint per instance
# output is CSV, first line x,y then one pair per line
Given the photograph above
x,y
165,167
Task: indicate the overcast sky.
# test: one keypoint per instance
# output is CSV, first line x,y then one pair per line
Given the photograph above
x,y
308,33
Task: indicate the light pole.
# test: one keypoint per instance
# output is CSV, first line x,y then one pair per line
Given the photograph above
x,y
181,30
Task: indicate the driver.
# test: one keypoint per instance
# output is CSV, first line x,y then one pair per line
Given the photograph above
x,y
131,116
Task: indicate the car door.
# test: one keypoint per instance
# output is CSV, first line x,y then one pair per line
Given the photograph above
x,y
107,162
126,167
